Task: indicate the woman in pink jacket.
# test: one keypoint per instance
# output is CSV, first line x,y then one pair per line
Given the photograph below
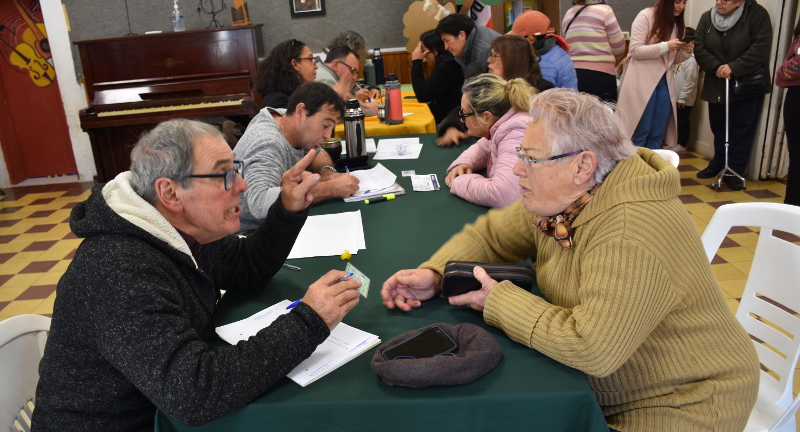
x,y
647,90
497,111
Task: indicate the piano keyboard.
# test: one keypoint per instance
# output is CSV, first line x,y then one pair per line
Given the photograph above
x,y
170,108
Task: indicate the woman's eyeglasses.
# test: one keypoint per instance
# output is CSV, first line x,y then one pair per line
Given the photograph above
x,y
463,116
493,57
309,58
531,161
229,176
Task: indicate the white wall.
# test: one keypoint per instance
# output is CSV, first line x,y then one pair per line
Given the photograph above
x,y
72,94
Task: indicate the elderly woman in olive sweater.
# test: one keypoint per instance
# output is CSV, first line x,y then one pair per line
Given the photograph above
x,y
733,40
652,331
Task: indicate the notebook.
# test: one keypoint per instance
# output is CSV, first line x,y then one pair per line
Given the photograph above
x,y
344,343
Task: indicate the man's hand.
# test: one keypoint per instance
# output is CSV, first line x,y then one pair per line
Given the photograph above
x,y
344,88
337,186
297,188
407,289
457,171
362,95
724,71
452,136
374,93
370,108
332,300
476,299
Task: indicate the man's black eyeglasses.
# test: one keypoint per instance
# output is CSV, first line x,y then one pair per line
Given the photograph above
x,y
229,176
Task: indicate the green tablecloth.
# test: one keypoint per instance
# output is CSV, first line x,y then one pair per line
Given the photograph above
x,y
526,391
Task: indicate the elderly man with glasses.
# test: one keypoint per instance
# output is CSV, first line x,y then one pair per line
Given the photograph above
x,y
133,318
340,72
627,293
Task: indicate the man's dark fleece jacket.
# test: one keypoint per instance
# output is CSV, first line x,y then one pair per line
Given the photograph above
x,y
133,316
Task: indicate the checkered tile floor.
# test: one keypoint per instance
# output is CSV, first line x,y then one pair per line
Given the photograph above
x,y
36,244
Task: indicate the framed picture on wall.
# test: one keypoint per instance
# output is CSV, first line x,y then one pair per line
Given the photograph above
x,y
304,8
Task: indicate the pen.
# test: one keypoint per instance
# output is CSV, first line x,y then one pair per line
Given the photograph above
x,y
291,267
344,277
294,303
380,198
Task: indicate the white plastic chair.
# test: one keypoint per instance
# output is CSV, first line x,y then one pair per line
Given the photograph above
x,y
774,275
22,340
669,155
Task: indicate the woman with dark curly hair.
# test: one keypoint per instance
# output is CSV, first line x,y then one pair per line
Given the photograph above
x,y
288,65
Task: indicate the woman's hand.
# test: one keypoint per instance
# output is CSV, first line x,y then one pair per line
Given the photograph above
x,y
419,52
476,299
457,171
453,136
675,44
724,71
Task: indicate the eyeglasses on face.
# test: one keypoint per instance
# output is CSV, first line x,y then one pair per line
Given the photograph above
x,y
309,58
463,116
229,176
493,56
352,69
531,161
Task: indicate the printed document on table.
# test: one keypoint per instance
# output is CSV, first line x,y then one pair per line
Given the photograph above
x,y
371,148
344,343
330,235
378,177
387,148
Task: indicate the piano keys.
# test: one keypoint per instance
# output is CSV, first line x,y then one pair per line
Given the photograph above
x,y
136,82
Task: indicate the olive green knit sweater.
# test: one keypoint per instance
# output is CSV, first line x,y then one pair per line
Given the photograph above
x,y
634,305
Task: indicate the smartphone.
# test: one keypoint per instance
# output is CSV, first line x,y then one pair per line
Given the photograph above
x,y
687,39
429,343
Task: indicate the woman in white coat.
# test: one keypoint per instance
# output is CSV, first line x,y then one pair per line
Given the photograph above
x,y
647,91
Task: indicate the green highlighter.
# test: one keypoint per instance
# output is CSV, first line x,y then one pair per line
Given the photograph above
x,y
380,198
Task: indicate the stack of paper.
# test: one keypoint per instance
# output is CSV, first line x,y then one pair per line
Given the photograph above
x,y
330,235
344,343
387,148
378,177
395,188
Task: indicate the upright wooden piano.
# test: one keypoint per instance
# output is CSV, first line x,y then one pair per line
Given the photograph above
x,y
135,82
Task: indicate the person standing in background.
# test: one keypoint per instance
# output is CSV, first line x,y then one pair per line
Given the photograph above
x,y
555,63
733,41
596,44
788,76
686,84
647,90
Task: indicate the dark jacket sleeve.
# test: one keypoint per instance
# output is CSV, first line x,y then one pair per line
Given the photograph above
x,y
707,61
437,85
451,121
145,326
240,264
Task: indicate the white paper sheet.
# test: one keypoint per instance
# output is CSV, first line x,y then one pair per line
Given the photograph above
x,y
330,235
387,148
378,177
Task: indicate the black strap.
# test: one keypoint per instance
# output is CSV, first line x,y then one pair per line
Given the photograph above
x,y
573,19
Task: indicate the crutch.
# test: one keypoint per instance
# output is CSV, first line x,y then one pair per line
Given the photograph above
x,y
727,171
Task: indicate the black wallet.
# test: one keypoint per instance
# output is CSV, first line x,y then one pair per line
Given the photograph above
x,y
458,278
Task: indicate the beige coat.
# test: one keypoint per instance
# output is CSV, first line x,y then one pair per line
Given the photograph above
x,y
643,69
